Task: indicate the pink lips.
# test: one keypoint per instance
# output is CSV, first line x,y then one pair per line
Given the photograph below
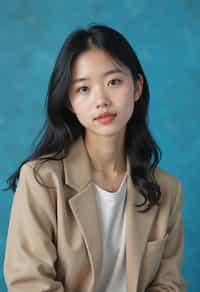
x,y
106,118
105,115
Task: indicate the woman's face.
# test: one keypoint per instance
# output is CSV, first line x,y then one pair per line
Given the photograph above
x,y
100,85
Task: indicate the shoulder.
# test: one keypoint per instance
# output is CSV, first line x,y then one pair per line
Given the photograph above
x,y
38,184
170,185
47,171
166,179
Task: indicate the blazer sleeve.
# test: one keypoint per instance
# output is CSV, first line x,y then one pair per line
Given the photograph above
x,y
30,255
168,277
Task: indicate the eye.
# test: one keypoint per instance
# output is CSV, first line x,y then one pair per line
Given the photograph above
x,y
82,89
115,81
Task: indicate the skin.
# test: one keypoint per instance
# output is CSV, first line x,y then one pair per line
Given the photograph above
x,y
115,92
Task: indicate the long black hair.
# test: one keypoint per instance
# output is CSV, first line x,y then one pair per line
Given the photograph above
x,y
61,127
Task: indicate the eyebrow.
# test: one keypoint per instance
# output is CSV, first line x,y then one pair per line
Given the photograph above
x,y
112,71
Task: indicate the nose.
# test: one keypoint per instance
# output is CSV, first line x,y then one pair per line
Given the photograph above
x,y
101,97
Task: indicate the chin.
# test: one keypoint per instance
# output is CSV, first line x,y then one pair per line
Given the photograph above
x,y
108,132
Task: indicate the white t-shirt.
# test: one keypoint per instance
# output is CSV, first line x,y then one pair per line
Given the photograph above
x,y
111,208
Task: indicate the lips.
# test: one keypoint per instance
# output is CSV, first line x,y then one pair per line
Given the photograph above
x,y
105,115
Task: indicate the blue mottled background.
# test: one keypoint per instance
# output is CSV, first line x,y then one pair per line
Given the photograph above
x,y
165,35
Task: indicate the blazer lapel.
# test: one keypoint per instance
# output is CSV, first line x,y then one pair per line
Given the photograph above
x,y
138,227
83,204
85,211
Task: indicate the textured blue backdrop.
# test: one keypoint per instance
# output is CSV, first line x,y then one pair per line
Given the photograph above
x,y
165,35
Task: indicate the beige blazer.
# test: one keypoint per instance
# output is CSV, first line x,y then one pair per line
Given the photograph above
x,y
54,239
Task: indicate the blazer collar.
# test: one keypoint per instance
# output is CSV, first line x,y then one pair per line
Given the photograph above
x,y
77,173
77,169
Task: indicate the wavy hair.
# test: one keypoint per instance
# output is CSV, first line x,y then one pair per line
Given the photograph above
x,y
61,127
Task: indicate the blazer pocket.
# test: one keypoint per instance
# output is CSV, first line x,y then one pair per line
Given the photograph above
x,y
155,248
152,258
157,244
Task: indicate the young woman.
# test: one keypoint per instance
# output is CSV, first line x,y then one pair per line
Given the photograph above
x,y
92,210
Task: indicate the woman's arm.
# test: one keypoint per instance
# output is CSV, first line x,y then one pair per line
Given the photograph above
x,y
168,278
30,251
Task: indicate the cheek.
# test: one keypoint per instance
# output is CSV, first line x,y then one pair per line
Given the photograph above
x,y
77,105
81,111
126,99
127,103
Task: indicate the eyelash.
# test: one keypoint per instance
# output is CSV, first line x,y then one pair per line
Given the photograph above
x,y
118,82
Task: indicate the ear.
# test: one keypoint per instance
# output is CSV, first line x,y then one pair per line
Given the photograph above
x,y
138,87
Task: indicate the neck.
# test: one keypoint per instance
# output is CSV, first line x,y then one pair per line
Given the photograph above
x,y
106,153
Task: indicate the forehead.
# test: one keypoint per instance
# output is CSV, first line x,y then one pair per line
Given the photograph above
x,y
95,61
